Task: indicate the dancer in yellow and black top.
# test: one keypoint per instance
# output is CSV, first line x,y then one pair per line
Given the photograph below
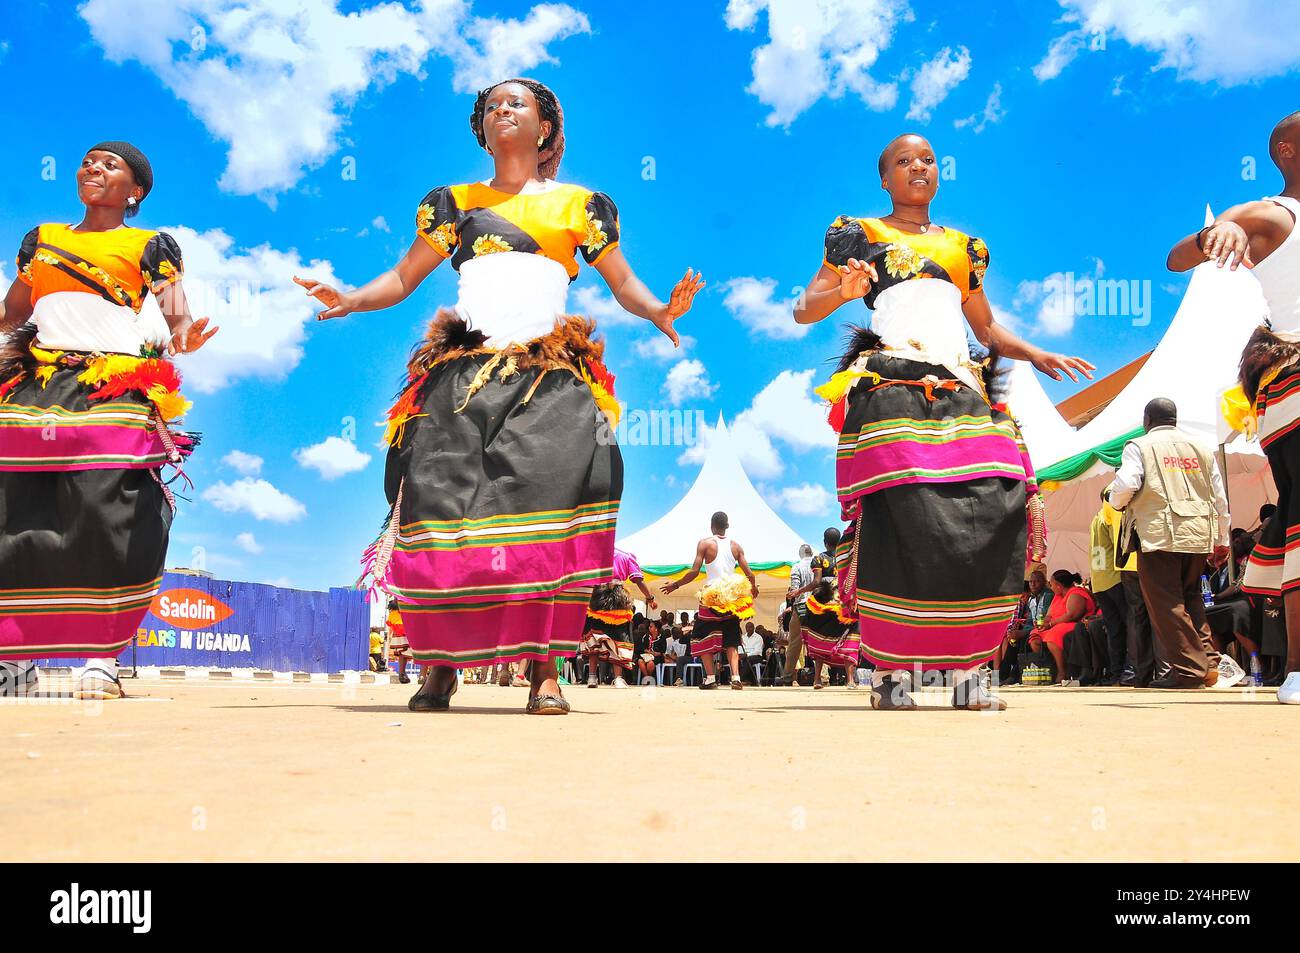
x,y
84,517
931,471
503,474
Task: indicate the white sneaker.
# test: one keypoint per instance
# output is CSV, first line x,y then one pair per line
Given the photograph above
x,y
1230,673
1289,692
98,682
18,679
619,683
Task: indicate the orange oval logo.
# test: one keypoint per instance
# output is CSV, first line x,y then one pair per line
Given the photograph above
x,y
189,608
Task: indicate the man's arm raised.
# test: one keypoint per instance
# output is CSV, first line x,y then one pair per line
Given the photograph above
x,y
1242,235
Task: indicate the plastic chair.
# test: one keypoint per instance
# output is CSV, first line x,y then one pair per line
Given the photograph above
x,y
686,677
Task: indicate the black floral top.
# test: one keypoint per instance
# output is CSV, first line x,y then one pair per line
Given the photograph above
x,y
901,256
463,222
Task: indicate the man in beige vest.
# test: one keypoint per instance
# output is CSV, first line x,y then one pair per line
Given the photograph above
x,y
1171,492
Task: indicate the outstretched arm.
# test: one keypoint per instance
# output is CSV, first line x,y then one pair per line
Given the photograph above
x,y
831,287
188,335
635,298
645,591
393,286
691,573
997,337
1242,235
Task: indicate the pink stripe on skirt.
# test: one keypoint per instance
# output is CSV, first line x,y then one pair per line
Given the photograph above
x,y
434,577
68,634
833,651
71,446
891,645
504,632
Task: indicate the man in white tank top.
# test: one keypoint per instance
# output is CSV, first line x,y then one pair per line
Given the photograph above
x,y
724,600
1263,237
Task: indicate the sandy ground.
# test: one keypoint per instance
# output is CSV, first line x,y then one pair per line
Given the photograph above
x,y
257,771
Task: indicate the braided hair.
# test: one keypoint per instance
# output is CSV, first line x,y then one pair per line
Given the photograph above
x,y
548,107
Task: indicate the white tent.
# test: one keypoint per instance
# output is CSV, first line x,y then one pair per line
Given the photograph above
x,y
668,544
720,485
1193,364
1047,436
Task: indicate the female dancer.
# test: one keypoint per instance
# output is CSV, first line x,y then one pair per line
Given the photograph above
x,y
830,634
929,468
503,473
607,633
1071,604
87,397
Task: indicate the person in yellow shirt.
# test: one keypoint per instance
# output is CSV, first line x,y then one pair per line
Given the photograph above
x,y
1111,592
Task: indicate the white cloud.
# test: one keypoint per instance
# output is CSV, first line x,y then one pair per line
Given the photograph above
x,y
819,48
936,79
1055,302
1060,54
687,379
257,498
593,302
784,411
488,48
332,458
806,499
275,79
248,543
660,347
751,302
993,112
1222,41
787,410
249,293
247,464
380,223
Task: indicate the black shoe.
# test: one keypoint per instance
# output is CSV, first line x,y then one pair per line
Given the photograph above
x,y
404,679
427,700
890,696
709,686
1110,681
1173,682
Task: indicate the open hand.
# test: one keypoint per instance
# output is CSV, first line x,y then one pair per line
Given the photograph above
x,y
856,278
1227,243
190,336
335,301
679,302
1053,364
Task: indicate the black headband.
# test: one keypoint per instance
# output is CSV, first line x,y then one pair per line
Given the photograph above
x,y
134,158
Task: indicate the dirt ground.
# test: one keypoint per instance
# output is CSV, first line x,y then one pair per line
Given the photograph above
x,y
192,770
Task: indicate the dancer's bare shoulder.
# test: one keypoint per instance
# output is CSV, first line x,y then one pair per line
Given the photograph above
x,y
1266,222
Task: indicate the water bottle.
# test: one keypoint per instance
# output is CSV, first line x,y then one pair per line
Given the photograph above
x,y
1256,673
1206,595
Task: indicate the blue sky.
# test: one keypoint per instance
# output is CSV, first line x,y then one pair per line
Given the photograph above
x,y
1083,139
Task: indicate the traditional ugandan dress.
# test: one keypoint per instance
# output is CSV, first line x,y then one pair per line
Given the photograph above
x,y
1271,376
725,601
398,645
928,474
607,635
86,398
503,473
830,633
